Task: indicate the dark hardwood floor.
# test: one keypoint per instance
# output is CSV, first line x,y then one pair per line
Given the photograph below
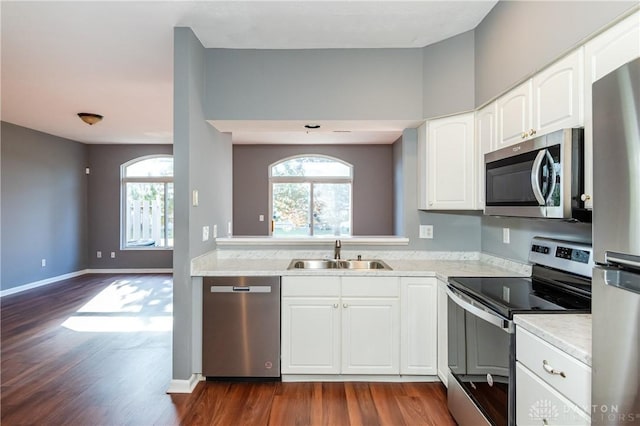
x,y
96,350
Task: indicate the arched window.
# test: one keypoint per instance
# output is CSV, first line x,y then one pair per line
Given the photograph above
x,y
310,195
147,203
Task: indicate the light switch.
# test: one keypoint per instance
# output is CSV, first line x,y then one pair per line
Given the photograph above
x,y
261,218
205,233
194,197
113,254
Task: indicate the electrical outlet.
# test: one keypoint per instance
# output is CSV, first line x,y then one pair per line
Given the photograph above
x,y
205,233
261,218
43,262
505,236
426,231
113,254
99,254
215,231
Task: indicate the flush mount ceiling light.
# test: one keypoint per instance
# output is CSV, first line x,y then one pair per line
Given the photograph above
x,y
89,118
311,126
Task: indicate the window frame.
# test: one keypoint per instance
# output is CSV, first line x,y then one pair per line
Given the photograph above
x,y
312,180
124,180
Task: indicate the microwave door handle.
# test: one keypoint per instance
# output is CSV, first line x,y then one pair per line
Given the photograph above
x,y
535,172
552,175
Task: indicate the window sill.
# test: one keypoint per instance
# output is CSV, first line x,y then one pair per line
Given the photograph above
x,y
306,241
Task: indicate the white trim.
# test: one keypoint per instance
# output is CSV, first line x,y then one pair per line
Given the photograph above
x,y
356,378
36,284
308,241
47,281
131,271
184,386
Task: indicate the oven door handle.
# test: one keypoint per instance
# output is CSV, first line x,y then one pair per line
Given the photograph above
x,y
504,324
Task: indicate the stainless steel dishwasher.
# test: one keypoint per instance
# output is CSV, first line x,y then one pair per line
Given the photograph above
x,y
241,327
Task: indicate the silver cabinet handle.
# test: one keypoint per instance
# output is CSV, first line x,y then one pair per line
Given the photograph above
x,y
335,305
585,197
344,305
549,369
532,132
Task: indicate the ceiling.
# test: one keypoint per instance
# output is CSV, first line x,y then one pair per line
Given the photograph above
x,y
116,58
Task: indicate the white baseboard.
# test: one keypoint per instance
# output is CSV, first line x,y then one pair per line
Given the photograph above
x,y
41,283
184,386
131,271
356,378
55,279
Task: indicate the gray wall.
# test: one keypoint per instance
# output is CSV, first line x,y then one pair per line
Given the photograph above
x,y
449,76
372,184
105,206
44,205
521,231
202,161
318,84
517,38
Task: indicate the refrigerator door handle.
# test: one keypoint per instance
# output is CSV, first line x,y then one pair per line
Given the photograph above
x,y
622,279
622,259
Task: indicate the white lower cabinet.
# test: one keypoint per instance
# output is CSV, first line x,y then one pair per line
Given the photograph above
x,y
334,325
552,387
418,342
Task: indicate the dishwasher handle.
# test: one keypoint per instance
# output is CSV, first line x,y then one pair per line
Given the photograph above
x,y
240,289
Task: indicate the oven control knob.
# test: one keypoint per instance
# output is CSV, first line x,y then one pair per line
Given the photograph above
x,y
489,379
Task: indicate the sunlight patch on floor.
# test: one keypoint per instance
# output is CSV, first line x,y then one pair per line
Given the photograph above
x,y
127,306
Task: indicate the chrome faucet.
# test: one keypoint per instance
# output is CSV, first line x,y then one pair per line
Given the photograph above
x,y
336,250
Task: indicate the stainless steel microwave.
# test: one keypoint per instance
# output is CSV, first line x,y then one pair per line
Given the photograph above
x,y
541,177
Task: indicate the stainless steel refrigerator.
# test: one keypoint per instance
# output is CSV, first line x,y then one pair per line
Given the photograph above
x,y
616,242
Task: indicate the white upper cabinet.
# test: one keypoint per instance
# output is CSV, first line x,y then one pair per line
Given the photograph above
x,y
606,52
486,141
514,115
557,94
450,163
549,101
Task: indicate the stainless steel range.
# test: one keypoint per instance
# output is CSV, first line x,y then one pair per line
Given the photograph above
x,y
481,331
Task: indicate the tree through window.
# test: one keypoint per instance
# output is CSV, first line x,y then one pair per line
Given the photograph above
x,y
147,202
311,195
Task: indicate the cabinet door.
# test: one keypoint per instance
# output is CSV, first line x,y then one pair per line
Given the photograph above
x,y
608,51
538,404
418,343
443,353
557,94
514,115
451,163
486,141
423,202
370,336
310,335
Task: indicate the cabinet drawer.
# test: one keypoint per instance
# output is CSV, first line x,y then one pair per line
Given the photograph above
x,y
535,354
310,286
370,287
538,404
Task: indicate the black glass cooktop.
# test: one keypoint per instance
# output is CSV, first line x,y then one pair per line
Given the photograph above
x,y
516,295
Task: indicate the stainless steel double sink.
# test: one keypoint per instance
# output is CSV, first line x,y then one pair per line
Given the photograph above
x,y
338,264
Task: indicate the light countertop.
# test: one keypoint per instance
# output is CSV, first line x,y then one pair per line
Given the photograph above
x,y
440,264
570,333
